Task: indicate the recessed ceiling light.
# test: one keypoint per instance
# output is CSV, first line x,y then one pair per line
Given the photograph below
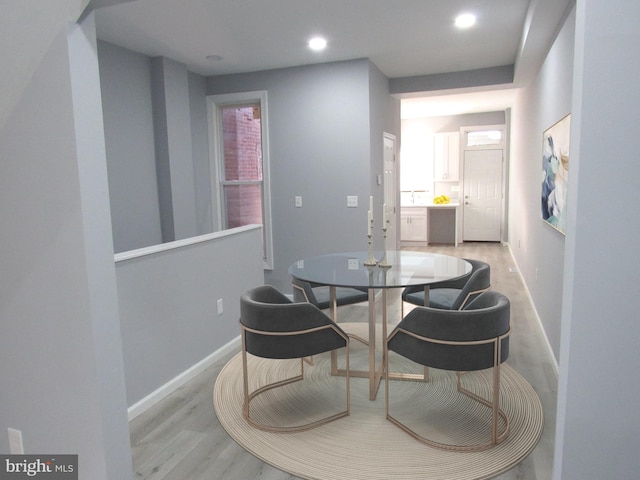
x,y
317,44
465,20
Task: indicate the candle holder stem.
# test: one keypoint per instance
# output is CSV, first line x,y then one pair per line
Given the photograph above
x,y
371,261
383,263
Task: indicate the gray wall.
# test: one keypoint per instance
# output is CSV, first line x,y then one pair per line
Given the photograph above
x,y
174,152
167,304
128,124
206,204
61,374
320,148
584,284
156,133
538,248
445,81
598,421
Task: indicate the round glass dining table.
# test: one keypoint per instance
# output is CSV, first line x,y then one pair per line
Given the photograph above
x,y
402,269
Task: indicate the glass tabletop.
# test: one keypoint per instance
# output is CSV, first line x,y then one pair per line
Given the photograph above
x,y
407,269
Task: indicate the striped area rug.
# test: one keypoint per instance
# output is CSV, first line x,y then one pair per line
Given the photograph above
x,y
364,445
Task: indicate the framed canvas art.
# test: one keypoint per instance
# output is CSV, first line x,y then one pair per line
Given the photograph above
x,y
555,173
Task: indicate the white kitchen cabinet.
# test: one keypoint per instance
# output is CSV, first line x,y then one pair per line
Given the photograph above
x,y
416,158
413,224
446,152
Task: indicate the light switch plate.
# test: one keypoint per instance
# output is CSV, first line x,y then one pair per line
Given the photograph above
x,y
298,201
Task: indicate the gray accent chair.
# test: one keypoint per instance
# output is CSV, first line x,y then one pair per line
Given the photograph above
x,y
475,338
274,327
453,294
318,295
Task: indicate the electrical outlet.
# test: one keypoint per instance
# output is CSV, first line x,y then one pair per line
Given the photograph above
x,y
298,201
15,442
220,306
352,201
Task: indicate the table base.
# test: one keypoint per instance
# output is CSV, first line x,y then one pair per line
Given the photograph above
x,y
374,374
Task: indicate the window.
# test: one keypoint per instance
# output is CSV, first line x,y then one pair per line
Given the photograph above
x,y
241,180
241,156
481,138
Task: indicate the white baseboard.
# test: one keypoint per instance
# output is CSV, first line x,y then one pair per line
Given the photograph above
x,y
172,385
535,311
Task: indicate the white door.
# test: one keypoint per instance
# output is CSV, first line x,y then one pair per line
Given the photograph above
x,y
390,189
482,202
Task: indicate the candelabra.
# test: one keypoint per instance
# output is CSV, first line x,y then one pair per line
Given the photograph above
x,y
371,261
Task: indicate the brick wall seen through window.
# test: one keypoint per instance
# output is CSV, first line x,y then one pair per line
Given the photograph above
x,y
242,183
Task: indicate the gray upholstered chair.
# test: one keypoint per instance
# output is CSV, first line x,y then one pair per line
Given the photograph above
x,y
475,338
272,326
453,294
318,295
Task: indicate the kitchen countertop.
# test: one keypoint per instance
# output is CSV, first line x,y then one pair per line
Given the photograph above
x,y
430,205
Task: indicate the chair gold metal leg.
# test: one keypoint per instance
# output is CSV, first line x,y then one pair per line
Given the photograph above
x,y
493,404
333,307
496,412
426,304
245,378
290,429
372,344
248,396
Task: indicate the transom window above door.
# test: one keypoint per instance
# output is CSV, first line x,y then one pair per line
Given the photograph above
x,y
478,138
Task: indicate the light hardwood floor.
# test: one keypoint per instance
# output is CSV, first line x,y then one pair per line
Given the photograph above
x,y
180,438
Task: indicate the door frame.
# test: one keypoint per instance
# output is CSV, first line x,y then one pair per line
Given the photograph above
x,y
392,189
503,145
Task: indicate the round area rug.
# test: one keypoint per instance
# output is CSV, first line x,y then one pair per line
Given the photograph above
x,y
364,445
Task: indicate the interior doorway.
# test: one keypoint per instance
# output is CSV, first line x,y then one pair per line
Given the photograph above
x,y
391,189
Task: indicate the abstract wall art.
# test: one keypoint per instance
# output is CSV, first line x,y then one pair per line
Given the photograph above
x,y
555,173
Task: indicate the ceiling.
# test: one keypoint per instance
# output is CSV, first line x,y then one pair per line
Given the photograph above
x,y
402,38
